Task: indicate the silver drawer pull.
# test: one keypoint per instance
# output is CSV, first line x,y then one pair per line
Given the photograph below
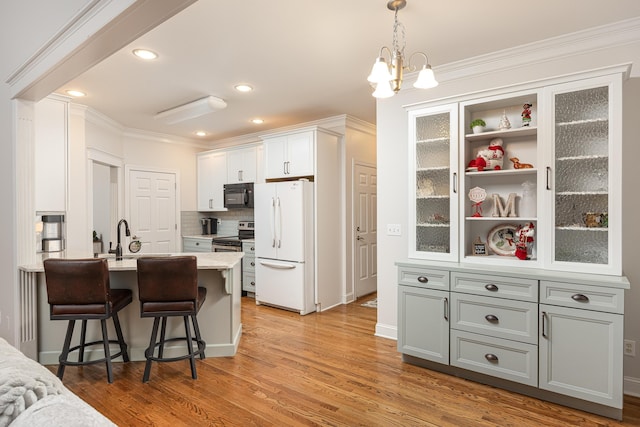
x,y
422,279
491,357
491,287
491,318
580,298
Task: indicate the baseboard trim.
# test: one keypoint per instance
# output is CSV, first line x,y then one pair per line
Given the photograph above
x,y
632,386
386,331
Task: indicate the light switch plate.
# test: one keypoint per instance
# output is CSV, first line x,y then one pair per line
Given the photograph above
x,y
394,230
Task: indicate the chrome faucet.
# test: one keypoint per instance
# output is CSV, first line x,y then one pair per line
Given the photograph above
x,y
127,233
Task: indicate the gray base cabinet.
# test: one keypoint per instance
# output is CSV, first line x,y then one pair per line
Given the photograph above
x,y
557,335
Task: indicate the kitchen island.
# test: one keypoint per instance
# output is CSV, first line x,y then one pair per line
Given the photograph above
x,y
219,317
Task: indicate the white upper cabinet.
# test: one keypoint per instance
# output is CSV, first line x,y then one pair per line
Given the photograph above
x,y
584,175
51,121
539,186
241,165
212,175
291,155
433,150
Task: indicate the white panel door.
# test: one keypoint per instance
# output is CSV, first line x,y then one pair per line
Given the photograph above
x,y
275,152
366,234
152,208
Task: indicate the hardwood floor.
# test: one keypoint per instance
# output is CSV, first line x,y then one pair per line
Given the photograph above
x,y
321,369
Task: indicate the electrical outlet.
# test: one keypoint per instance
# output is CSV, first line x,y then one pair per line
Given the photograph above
x,y
393,230
629,348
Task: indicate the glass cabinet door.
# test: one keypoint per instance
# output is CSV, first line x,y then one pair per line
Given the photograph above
x,y
585,178
433,153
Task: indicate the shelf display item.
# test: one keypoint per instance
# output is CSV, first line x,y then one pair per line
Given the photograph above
x,y
508,210
525,241
504,121
477,196
502,239
528,204
479,247
518,165
491,158
526,114
595,219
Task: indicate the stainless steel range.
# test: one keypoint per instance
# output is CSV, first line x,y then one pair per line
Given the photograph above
x,y
234,243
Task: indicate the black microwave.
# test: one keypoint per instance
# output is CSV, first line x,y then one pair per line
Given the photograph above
x,y
238,195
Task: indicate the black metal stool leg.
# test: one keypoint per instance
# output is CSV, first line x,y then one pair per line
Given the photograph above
x,y
192,359
121,341
107,353
150,350
163,331
196,328
65,348
83,336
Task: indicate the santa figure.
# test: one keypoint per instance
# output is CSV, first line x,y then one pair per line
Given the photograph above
x,y
525,240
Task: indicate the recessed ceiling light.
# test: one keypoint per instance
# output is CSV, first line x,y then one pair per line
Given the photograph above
x,y
76,93
243,88
201,133
257,121
145,54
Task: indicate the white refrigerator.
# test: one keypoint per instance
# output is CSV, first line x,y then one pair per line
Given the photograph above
x,y
283,215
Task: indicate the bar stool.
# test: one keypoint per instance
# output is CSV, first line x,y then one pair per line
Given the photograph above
x,y
168,286
79,289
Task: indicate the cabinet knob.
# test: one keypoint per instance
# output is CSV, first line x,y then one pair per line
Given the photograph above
x,y
491,318
580,298
197,243
491,287
253,283
253,264
422,279
252,248
491,357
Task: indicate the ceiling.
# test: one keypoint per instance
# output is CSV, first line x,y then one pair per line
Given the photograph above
x,y
306,59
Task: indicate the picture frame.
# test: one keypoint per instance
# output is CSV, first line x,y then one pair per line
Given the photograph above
x,y
479,248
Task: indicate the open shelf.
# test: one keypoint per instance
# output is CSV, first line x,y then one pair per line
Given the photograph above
x,y
510,133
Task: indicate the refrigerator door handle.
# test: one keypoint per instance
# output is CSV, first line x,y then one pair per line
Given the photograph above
x,y
275,264
278,222
272,221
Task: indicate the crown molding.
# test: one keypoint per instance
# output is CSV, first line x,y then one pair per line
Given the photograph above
x,y
587,41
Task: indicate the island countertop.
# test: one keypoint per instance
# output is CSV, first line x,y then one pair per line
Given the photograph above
x,y
219,316
206,260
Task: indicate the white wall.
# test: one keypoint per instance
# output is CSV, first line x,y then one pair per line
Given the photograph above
x,y
487,73
23,29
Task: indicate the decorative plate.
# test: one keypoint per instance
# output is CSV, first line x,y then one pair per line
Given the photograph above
x,y
502,239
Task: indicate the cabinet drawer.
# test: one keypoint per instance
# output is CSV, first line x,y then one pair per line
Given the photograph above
x,y
503,287
510,360
249,264
424,278
194,244
248,282
249,248
588,297
497,317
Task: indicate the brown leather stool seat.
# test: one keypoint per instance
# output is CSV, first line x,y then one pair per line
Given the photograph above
x,y
79,289
168,286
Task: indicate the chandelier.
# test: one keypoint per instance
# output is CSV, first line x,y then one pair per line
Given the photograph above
x,y
387,78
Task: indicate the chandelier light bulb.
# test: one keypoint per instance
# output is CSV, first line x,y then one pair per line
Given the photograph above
x,y
426,79
379,72
383,90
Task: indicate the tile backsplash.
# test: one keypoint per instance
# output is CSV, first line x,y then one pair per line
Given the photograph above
x,y
227,221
